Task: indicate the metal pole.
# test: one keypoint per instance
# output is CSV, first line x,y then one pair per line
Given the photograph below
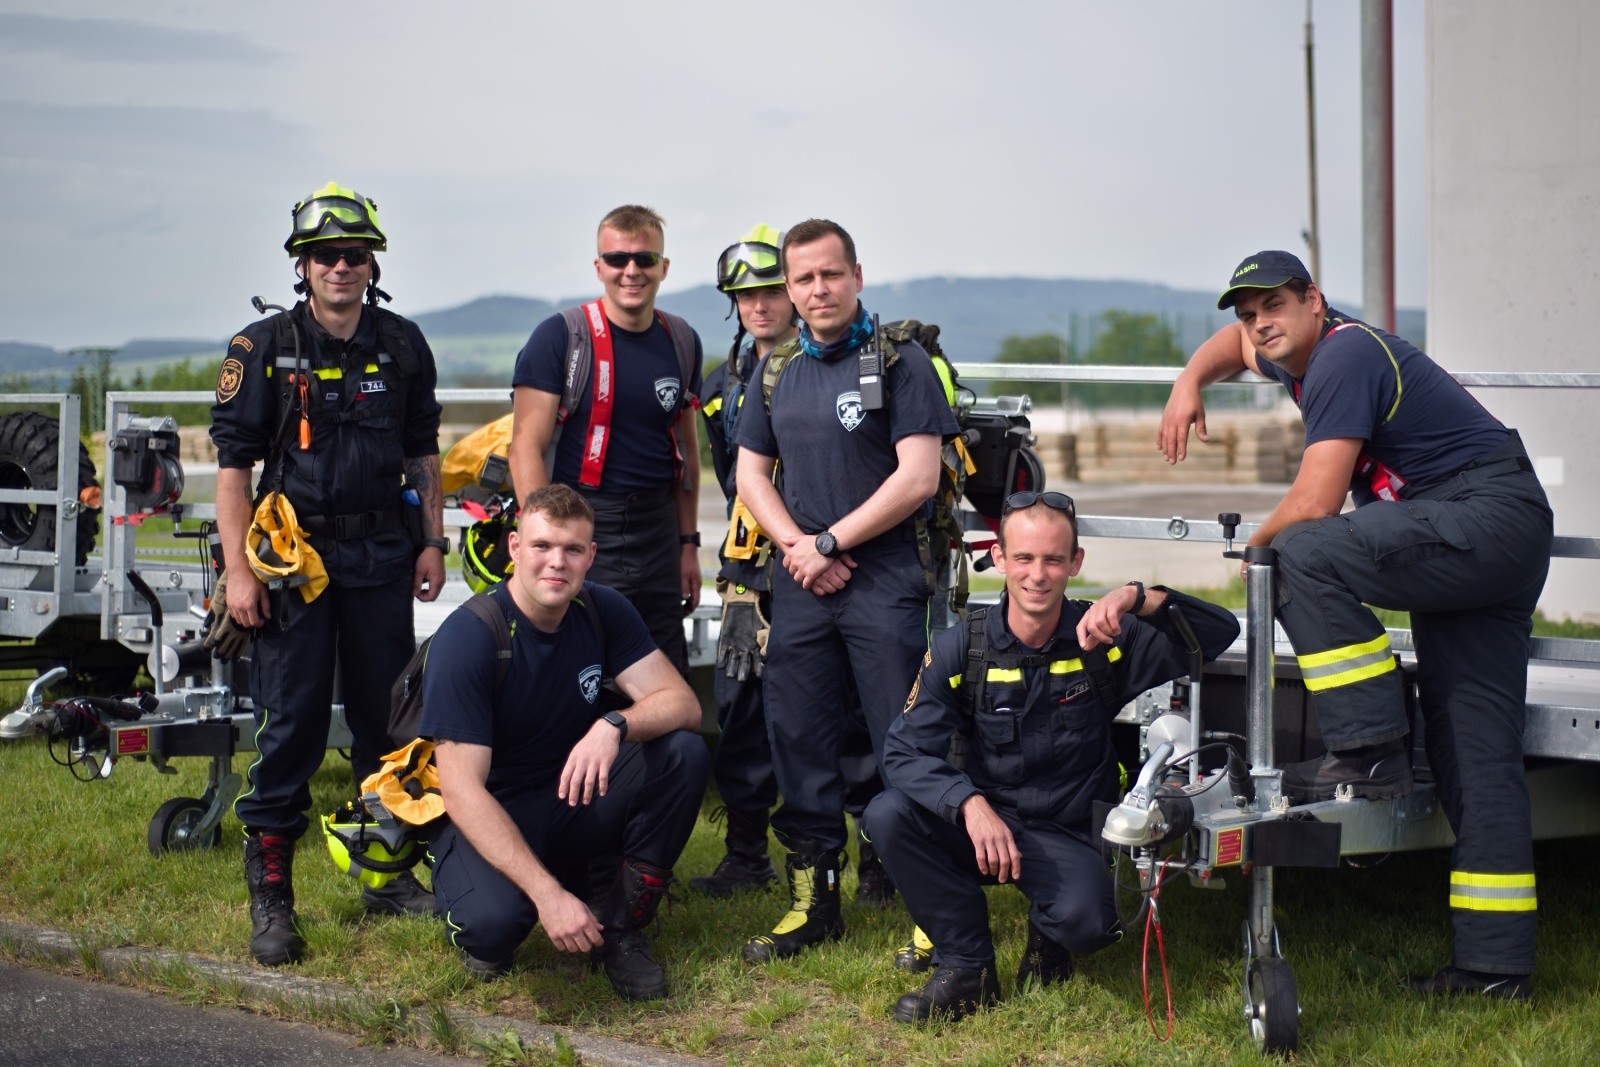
x,y
1313,237
1261,673
1377,162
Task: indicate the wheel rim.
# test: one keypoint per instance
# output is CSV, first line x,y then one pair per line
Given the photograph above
x,y
17,521
184,831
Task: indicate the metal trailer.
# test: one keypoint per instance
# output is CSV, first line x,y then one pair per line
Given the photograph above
x,y
1220,823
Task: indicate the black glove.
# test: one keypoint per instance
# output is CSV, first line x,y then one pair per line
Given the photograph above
x,y
743,639
225,639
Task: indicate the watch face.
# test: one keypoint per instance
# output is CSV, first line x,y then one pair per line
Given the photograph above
x,y
826,543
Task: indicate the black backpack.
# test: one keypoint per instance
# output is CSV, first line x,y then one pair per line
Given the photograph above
x,y
405,697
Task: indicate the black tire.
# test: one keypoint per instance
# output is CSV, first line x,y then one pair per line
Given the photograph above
x,y
29,459
1274,1008
172,829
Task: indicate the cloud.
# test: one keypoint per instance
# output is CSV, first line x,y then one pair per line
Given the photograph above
x,y
120,135
123,41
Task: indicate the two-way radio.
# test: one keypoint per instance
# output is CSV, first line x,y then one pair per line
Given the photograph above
x,y
872,371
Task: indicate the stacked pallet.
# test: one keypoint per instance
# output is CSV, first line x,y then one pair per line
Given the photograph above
x,y
1059,454
1243,449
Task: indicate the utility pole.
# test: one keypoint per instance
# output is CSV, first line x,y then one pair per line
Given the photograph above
x,y
1377,162
1312,235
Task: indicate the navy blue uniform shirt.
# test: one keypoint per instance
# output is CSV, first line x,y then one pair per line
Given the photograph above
x,y
649,395
1039,747
550,697
358,447
1361,382
834,454
721,409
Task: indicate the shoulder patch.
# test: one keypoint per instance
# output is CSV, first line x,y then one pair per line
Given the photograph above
x,y
243,342
229,378
916,688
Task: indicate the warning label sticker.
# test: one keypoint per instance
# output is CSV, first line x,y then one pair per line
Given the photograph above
x,y
1230,847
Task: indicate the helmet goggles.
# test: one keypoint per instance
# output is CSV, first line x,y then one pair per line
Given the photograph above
x,y
741,265
325,218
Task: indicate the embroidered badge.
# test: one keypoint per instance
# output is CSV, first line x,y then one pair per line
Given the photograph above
x,y
667,393
229,378
589,682
848,408
243,342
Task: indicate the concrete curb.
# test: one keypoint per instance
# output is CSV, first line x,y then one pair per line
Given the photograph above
x,y
265,986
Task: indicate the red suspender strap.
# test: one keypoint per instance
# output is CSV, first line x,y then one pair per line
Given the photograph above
x,y
599,435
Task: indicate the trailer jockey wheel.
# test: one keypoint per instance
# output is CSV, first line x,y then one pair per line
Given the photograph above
x,y
175,827
1271,1006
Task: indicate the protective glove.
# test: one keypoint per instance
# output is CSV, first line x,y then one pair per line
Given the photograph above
x,y
742,643
225,639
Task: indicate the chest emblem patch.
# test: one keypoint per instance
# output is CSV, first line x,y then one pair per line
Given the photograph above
x,y
667,393
376,385
229,378
848,408
589,682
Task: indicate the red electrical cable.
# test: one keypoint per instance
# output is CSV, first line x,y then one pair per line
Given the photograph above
x,y
1151,920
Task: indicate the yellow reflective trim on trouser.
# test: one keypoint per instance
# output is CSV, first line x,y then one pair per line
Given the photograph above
x,y
1476,891
1347,664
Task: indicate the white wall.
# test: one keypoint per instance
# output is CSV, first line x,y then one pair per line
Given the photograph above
x,y
1514,236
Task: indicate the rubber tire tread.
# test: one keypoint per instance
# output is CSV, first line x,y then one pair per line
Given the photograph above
x,y
31,440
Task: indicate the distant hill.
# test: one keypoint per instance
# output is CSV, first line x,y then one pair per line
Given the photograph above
x,y
477,340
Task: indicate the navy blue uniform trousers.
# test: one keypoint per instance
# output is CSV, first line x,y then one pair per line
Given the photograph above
x,y
367,633
646,816
933,864
1468,559
874,630
638,554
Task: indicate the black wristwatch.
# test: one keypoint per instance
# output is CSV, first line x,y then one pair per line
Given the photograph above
x,y
1139,600
689,539
441,543
827,544
617,719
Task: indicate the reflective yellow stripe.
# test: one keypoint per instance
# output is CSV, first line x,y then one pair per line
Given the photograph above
x,y
1014,674
712,406
1001,674
327,373
955,681
1399,389
1347,665
372,368
1068,666
1474,891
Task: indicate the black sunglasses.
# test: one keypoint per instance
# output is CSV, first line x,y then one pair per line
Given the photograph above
x,y
330,257
620,260
1059,501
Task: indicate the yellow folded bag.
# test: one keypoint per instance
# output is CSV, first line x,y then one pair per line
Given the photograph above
x,y
278,549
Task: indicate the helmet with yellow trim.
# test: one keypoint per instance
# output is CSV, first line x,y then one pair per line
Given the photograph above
x,y
486,552
366,850
751,262
334,212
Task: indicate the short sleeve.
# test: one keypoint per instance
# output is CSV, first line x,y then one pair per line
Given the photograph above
x,y
916,398
541,364
458,682
628,639
1347,388
753,429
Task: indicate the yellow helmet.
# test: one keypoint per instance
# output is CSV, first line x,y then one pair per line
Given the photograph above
x,y
334,212
486,552
366,850
752,262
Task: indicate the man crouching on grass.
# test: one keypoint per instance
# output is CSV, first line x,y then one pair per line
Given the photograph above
x,y
538,782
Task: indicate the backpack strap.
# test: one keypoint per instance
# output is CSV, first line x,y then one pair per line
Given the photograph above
x,y
580,361
1097,665
773,366
683,342
491,615
974,678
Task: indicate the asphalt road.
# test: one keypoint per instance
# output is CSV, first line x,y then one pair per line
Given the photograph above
x,y
52,1020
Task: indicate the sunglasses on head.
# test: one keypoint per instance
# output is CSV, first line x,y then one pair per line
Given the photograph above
x,y
620,260
330,257
1058,501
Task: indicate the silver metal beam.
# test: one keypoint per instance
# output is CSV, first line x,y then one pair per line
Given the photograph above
x,y
1377,162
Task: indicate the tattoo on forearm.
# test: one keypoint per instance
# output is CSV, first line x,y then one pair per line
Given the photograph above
x,y
422,475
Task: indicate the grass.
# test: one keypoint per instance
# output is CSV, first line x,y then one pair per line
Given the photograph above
x,y
75,861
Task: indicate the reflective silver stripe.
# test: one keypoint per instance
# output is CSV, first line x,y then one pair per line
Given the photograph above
x,y
1353,663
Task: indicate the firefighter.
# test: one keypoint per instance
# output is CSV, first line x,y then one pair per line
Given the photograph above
x,y
1038,756
852,596
1452,525
749,272
336,399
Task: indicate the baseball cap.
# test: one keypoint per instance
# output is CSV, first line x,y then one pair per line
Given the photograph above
x,y
1264,270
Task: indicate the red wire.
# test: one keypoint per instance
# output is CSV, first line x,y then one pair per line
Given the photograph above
x,y
1150,920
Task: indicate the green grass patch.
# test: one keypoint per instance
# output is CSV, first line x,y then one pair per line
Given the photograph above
x,y
75,860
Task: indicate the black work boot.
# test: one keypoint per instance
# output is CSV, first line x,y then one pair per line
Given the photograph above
x,y
625,950
269,875
1043,961
813,914
400,895
915,955
747,864
874,888
1456,981
1377,772
952,993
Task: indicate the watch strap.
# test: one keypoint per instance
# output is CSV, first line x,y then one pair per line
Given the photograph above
x,y
1138,603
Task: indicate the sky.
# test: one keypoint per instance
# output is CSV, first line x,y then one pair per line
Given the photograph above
x,y
152,152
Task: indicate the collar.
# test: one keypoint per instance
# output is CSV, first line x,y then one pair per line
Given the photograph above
x,y
859,333
1001,639
333,349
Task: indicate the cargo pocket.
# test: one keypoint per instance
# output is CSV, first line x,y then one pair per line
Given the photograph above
x,y
1410,531
999,751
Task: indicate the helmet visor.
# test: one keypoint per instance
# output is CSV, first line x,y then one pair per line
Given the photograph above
x,y
755,257
350,218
